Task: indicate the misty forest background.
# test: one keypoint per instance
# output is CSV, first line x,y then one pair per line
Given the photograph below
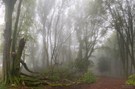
x,y
59,39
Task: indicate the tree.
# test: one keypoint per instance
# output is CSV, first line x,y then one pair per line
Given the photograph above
x,y
16,57
44,9
27,28
89,23
9,8
13,49
53,29
122,14
109,51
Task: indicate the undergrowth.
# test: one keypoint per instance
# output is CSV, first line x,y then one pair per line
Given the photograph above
x,y
2,86
131,80
66,76
88,77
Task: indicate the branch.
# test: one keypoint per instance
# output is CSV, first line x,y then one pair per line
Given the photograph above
x,y
26,67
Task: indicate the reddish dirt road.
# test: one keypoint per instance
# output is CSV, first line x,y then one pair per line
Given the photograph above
x,y
102,83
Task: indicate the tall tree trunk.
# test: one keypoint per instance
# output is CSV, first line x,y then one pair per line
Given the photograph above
x,y
9,6
15,38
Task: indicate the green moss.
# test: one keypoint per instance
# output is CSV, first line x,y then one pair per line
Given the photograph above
x,y
131,80
88,77
3,86
55,77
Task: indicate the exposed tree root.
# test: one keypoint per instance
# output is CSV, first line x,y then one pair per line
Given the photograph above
x,y
30,80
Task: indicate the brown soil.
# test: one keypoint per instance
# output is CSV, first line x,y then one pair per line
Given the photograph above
x,y
102,83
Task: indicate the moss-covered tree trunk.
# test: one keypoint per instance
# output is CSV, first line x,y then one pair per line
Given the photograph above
x,y
11,59
16,56
9,6
16,62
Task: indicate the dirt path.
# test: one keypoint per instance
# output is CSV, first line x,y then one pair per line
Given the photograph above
x,y
102,83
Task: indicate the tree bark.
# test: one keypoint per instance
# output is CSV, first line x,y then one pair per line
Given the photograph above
x,y
9,6
15,38
18,58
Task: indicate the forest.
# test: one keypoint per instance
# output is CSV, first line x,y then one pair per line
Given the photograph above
x,y
67,44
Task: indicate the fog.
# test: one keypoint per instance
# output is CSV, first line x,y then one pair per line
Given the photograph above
x,y
72,34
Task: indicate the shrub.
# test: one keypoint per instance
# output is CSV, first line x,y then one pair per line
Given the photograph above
x,y
88,77
131,80
82,65
60,73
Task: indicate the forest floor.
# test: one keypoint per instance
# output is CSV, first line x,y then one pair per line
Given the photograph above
x,y
102,83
